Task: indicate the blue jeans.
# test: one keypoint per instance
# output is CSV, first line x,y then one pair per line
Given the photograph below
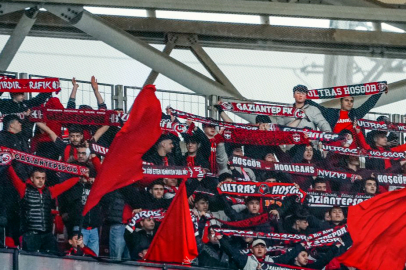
x,y
117,246
91,239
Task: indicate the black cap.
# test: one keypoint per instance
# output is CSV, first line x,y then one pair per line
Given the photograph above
x,y
262,119
208,125
300,88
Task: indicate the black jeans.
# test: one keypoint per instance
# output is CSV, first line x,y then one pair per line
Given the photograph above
x,y
39,241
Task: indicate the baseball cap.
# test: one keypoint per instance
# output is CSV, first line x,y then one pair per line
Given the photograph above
x,y
258,242
300,88
262,119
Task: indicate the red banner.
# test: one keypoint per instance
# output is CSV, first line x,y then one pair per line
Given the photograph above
x,y
45,85
371,88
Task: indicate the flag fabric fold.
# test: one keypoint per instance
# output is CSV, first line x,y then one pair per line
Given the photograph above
x,y
175,240
122,165
378,228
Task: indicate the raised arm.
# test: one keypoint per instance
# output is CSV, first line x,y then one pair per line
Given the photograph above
x,y
369,104
223,115
47,130
100,101
62,187
320,121
100,132
72,98
17,183
38,100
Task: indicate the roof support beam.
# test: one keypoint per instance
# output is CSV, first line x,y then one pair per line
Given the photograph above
x,y
17,37
139,50
252,7
169,46
231,35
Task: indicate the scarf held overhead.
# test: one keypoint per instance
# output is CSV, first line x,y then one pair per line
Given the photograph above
x,y
261,189
46,163
45,85
371,88
263,109
259,137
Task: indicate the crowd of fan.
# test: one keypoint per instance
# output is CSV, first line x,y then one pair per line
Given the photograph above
x,y
28,194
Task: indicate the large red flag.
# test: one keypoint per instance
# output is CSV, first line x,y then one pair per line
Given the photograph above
x,y
123,163
175,240
378,229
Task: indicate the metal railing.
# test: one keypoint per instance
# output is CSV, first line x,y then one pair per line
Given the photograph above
x,y
119,96
85,94
188,102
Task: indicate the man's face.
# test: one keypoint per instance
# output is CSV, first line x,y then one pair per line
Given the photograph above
x,y
271,180
263,126
82,155
302,224
148,224
171,182
157,191
253,206
270,157
337,215
370,187
302,258
18,97
347,103
16,126
191,147
167,145
381,140
209,130
75,138
353,160
74,241
238,152
212,238
320,187
202,206
308,153
259,250
38,179
300,97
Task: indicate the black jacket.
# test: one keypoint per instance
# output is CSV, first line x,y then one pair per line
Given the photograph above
x,y
332,115
113,203
137,242
8,106
18,142
36,210
73,201
211,255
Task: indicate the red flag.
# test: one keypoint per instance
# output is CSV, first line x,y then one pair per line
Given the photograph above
x,y
175,240
378,228
123,164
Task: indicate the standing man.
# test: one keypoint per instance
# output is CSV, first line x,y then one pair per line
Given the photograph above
x,y
344,117
314,116
36,204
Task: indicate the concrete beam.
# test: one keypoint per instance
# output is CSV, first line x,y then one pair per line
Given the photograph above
x,y
138,50
17,37
231,35
376,14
